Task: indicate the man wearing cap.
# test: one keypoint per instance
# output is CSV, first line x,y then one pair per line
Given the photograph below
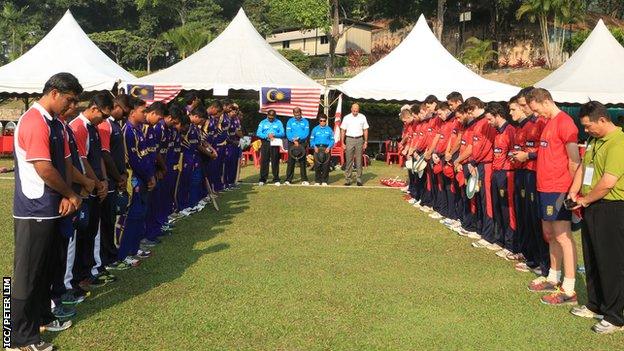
x,y
354,135
297,132
599,188
322,140
269,129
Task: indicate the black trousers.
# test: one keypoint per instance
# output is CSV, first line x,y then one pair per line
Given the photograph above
x,y
108,250
32,277
85,244
269,154
58,260
603,248
290,168
321,171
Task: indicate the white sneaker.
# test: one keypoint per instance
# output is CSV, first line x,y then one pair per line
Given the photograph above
x,y
411,201
57,326
317,184
305,183
583,311
604,327
480,244
260,183
404,189
494,247
277,184
503,253
324,184
473,235
435,215
186,212
131,261
285,183
426,209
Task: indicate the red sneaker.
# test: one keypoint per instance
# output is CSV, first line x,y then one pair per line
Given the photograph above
x,y
541,284
559,298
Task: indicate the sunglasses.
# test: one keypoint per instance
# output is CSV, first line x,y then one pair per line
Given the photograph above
x,y
323,121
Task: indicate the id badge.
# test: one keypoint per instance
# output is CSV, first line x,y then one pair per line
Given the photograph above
x,y
589,175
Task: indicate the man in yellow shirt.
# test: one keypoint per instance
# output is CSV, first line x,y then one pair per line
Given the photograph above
x,y
599,188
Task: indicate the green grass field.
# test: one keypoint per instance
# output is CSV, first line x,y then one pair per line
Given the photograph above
x,y
307,268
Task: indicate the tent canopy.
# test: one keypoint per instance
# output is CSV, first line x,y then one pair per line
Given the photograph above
x,y
421,66
66,48
239,58
595,71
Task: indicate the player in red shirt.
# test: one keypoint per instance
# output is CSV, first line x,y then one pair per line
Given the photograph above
x,y
429,132
481,162
407,118
415,188
502,180
530,241
451,186
557,161
469,209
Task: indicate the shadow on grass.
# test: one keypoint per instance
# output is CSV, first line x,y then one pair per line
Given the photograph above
x,y
335,176
171,258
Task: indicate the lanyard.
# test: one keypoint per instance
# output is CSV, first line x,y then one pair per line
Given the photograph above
x,y
596,149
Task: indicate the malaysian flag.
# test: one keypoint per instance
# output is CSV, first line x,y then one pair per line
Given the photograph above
x,y
153,93
284,100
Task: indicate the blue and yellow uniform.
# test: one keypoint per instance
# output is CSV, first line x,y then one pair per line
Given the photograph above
x,y
187,162
233,153
138,158
153,139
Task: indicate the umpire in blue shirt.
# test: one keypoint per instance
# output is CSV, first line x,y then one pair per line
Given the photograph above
x,y
269,129
322,140
297,132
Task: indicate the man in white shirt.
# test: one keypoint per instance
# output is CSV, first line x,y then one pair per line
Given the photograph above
x,y
354,136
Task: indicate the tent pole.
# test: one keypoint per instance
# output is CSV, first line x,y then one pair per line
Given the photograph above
x,y
25,104
326,101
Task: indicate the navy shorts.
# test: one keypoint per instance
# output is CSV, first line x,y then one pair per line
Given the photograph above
x,y
552,209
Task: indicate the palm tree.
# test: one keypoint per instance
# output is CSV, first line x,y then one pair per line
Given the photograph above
x,y
187,40
559,13
479,53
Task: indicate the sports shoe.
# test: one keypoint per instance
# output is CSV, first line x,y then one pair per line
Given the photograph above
x,y
305,183
522,267
107,277
359,183
559,298
260,183
143,253
97,282
426,209
63,311
118,266
482,243
583,311
286,183
132,262
503,253
515,257
41,346
150,243
494,247
404,189
541,284
411,201
57,326
435,215
324,184
317,184
71,298
347,183
198,208
604,327
186,212
277,184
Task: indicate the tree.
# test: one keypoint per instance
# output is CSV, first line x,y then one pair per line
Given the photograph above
x,y
297,58
11,21
578,38
478,53
142,48
113,42
187,40
559,13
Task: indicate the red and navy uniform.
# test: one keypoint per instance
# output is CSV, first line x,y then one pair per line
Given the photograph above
x,y
133,222
88,241
112,143
482,157
469,206
415,143
530,240
37,137
503,188
188,162
448,135
429,132
553,174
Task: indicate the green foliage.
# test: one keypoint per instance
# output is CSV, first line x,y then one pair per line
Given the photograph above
x,y
187,39
297,58
478,53
114,42
12,23
578,38
304,13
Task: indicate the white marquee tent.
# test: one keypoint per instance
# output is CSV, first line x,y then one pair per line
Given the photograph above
x,y
239,58
66,48
421,66
595,71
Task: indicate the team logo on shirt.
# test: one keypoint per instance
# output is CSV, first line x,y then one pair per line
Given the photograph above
x,y
550,210
498,150
530,143
543,143
463,142
475,138
522,193
501,192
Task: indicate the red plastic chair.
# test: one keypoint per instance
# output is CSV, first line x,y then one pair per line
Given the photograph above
x,y
338,151
250,154
392,155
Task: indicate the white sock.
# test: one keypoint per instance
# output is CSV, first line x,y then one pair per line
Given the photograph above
x,y
554,276
568,285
